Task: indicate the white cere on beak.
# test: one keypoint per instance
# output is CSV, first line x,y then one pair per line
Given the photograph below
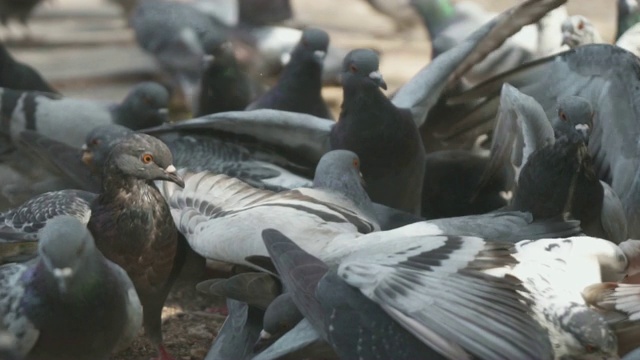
x,y
375,75
62,273
163,111
264,335
582,127
319,54
84,147
170,169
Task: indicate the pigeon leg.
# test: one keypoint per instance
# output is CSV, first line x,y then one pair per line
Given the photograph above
x,y
163,354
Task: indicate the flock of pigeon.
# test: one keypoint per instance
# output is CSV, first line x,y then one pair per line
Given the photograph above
x,y
486,209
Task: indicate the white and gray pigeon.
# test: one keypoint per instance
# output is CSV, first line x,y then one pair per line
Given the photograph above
x,y
606,76
578,30
173,33
415,297
69,120
70,302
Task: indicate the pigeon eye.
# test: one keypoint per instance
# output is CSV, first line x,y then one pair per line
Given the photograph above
x,y
580,25
147,158
353,68
95,142
356,163
590,348
562,115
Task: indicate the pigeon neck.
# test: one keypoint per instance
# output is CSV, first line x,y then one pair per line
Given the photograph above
x,y
436,14
363,98
86,279
347,186
301,67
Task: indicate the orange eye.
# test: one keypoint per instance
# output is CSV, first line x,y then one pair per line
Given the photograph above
x,y
95,142
580,25
356,163
353,68
147,158
590,348
562,115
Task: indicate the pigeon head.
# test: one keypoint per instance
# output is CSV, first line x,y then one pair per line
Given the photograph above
x,y
592,338
339,171
577,30
215,45
99,143
363,64
145,106
141,156
575,117
313,44
65,247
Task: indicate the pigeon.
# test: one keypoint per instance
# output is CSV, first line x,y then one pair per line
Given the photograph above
x,y
174,33
450,183
553,171
256,289
19,76
69,120
385,137
71,302
337,204
628,16
17,9
557,273
606,76
578,30
449,23
299,87
132,224
264,12
238,333
365,308
224,85
400,12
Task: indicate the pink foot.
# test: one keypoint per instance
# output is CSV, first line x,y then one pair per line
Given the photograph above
x,y
218,310
163,354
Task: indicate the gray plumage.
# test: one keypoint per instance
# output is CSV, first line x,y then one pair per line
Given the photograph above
x,y
69,120
604,75
237,335
20,227
369,307
254,289
299,86
174,34
70,303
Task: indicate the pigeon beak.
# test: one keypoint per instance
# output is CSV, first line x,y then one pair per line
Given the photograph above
x,y
171,174
319,55
63,276
584,130
362,182
163,111
87,155
207,60
376,76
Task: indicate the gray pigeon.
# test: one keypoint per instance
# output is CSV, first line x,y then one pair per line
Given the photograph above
x,y
174,33
69,120
385,137
364,311
604,75
71,302
553,173
299,87
132,224
337,204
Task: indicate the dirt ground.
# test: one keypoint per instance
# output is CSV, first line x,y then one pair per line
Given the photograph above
x,y
189,328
